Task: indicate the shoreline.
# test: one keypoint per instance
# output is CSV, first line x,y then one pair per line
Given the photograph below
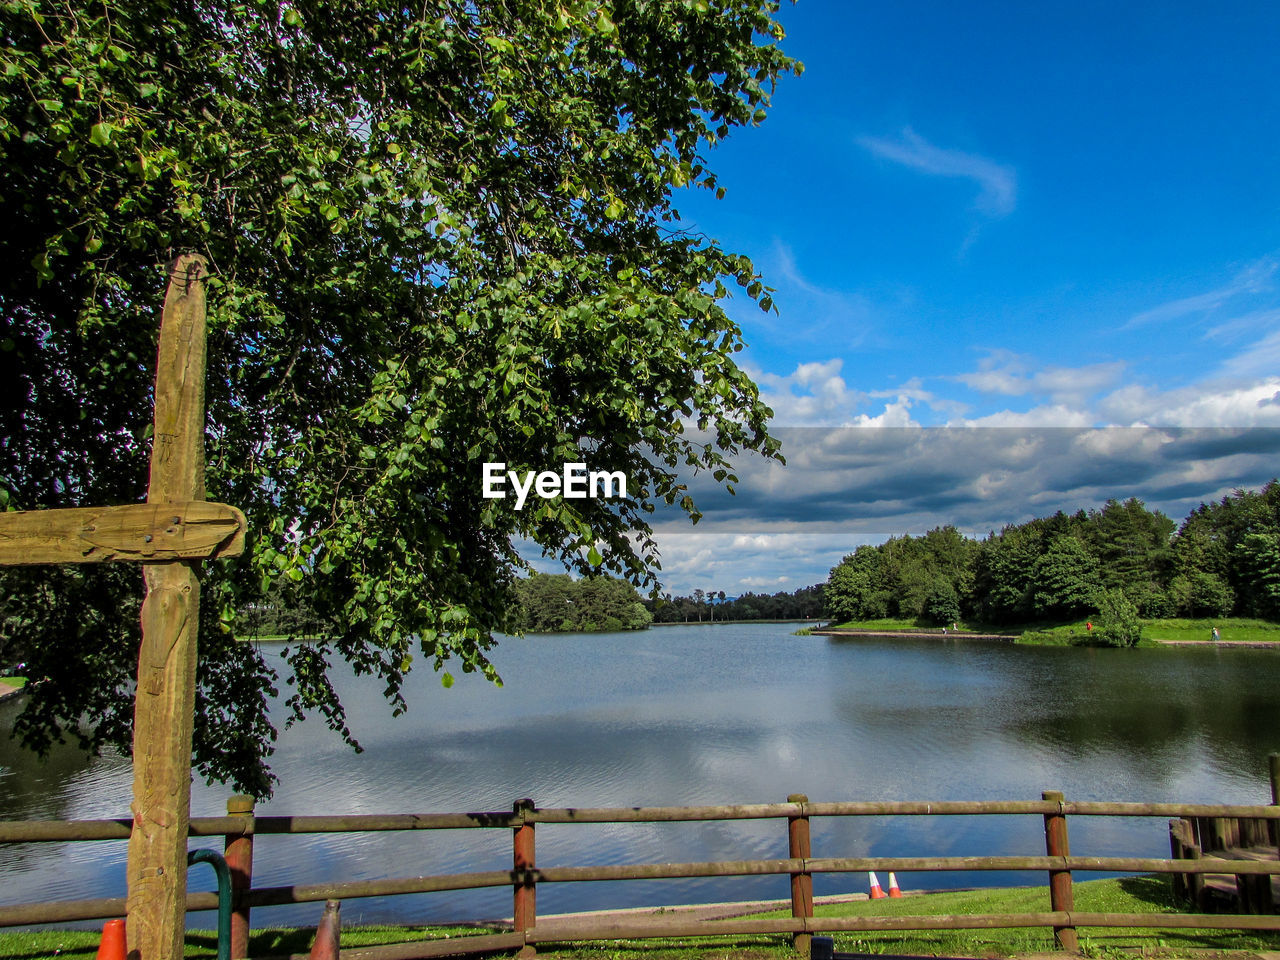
x,y
1007,638
928,634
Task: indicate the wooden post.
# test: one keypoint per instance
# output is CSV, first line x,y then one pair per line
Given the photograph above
x,y
238,852
801,882
1273,762
1061,896
526,891
1195,881
1177,851
165,704
167,534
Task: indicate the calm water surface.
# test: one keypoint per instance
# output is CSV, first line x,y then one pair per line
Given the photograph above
x,y
710,714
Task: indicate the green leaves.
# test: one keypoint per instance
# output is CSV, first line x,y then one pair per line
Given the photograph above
x,y
439,239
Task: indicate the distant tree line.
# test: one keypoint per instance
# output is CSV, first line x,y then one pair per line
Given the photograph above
x,y
1223,560
557,603
713,606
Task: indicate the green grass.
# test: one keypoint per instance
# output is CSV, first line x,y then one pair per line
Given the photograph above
x,y
899,624
1126,895
888,623
17,683
1231,628
83,944
1076,632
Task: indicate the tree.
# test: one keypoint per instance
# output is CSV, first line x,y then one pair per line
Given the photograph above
x,y
1199,594
1132,545
442,234
1065,579
1118,624
1257,557
1005,574
1212,540
853,590
942,605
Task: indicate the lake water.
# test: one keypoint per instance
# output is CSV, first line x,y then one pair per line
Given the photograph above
x,y
710,714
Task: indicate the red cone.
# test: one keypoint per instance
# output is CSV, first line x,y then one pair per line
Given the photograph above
x,y
327,933
112,945
893,886
876,892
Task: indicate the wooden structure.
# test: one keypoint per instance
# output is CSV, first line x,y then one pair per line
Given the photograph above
x,y
1229,838
1057,864
168,534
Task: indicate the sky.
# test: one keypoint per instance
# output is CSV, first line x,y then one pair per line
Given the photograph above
x,y
1026,257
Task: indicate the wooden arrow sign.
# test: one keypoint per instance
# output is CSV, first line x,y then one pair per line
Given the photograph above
x,y
195,530
174,528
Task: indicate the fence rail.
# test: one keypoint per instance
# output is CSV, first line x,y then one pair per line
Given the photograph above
x,y
240,826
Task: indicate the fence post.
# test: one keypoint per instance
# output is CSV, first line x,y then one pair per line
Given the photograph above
x,y
1273,761
801,882
526,891
1177,851
238,852
1195,881
1061,897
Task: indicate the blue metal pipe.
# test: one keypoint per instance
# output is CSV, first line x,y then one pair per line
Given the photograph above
x,y
215,859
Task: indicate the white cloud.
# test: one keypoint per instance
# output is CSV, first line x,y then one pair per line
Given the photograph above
x,y
749,562
1261,358
816,394
1238,327
813,393
1009,374
775,583
914,391
1056,415
1211,403
895,414
998,184
1253,279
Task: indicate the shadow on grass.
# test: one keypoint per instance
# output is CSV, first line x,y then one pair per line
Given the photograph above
x,y
1157,891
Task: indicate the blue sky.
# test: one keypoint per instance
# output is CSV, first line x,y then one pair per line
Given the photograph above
x,y
999,215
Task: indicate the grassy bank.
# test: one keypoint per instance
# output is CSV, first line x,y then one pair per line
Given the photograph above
x,y
1076,632
83,944
11,685
900,625
1126,895
1230,628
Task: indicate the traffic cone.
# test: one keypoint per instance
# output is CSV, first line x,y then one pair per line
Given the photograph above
x,y
876,892
112,945
327,933
893,886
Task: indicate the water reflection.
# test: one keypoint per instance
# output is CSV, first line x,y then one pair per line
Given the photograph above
x,y
712,715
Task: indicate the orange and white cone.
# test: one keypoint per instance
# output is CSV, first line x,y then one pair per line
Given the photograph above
x,y
893,886
328,933
112,944
876,892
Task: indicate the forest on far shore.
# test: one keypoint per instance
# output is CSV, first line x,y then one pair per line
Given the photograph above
x,y
710,606
1223,560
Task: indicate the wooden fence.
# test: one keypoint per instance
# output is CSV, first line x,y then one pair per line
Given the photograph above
x,y
240,827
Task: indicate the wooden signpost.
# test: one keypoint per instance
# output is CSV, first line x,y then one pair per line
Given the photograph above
x,y
168,534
